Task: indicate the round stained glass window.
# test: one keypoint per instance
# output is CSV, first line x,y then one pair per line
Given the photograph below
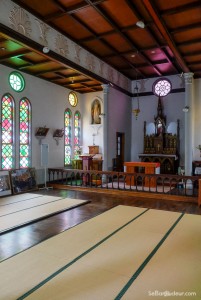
x,y
72,99
162,87
16,81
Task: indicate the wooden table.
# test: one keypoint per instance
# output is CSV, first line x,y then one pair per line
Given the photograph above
x,y
150,168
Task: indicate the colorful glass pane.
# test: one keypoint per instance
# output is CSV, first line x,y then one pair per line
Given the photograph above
x,y
162,87
77,135
7,132
24,157
67,137
72,98
25,128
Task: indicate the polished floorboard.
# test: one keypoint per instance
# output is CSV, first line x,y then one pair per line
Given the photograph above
x,y
27,236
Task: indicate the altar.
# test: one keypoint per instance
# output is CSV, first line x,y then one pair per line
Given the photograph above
x,y
162,146
150,168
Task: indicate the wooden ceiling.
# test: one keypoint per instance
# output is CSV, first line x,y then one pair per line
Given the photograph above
x,y
170,42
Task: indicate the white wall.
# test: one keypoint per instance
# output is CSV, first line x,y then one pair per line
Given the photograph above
x,y
119,120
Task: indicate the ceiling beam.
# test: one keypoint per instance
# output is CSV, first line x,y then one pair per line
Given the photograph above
x,y
181,8
163,30
185,28
71,10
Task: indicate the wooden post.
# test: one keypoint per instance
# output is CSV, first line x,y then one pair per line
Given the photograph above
x,y
199,193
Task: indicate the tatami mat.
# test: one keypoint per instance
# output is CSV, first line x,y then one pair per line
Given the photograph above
x,y
15,198
26,204
176,268
14,215
96,259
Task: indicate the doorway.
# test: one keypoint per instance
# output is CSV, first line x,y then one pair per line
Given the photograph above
x,y
118,162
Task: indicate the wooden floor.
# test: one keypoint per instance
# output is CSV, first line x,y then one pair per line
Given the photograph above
x,y
22,238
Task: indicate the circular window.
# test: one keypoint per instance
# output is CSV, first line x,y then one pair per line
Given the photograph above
x,y
72,98
16,81
162,87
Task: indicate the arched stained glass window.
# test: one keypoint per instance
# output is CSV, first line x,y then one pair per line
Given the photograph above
x,y
67,136
7,132
25,133
77,134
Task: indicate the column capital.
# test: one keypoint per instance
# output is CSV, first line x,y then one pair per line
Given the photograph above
x,y
105,88
188,77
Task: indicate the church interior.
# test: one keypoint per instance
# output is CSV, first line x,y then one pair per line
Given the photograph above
x,y
100,187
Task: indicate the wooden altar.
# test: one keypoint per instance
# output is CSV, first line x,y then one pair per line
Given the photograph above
x,y
150,168
162,146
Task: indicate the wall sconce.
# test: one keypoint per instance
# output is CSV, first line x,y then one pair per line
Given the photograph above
x,y
41,133
186,109
58,134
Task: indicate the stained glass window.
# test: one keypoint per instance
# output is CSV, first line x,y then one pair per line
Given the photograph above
x,y
25,133
72,97
162,87
7,132
77,134
17,81
67,136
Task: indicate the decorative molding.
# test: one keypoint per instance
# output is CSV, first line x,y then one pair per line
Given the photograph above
x,y
90,62
78,50
188,77
142,85
19,21
43,32
61,45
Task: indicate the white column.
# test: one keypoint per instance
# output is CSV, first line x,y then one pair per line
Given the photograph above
x,y
188,123
104,120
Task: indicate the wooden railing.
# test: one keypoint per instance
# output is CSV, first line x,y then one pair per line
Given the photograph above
x,y
152,183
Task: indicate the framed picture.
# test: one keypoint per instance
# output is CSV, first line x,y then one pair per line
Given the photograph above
x,y
23,180
5,186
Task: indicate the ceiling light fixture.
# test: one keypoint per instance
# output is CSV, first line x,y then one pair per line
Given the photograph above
x,y
140,24
46,49
186,109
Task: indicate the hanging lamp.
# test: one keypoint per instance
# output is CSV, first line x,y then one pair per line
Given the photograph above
x,y
136,111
